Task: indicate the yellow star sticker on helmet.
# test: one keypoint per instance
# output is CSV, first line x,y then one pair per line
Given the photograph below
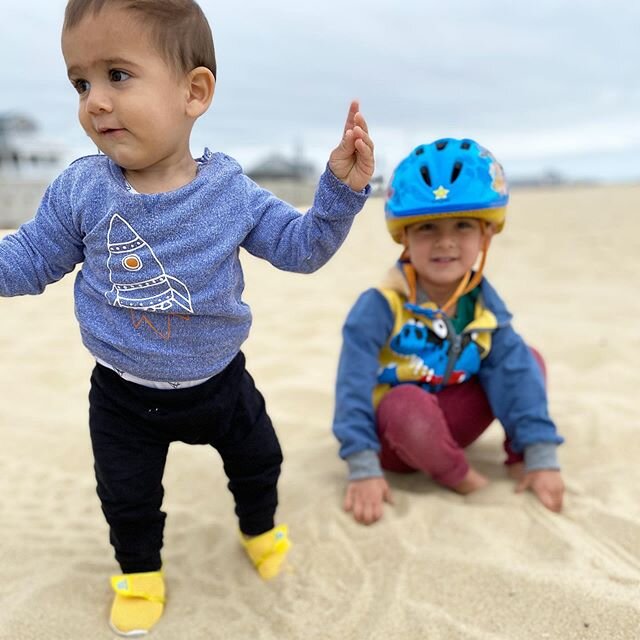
x,y
440,193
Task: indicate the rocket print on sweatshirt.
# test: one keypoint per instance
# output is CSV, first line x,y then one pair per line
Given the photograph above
x,y
140,282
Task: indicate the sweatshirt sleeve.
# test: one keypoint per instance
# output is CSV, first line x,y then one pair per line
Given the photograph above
x,y
515,387
298,242
365,332
44,249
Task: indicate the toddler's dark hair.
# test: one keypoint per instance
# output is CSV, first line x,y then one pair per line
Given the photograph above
x,y
179,28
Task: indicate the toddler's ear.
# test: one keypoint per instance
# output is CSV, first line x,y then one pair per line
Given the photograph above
x,y
201,86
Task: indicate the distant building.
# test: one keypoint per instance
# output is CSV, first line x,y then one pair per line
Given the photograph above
x,y
279,167
547,179
28,162
378,186
23,150
293,179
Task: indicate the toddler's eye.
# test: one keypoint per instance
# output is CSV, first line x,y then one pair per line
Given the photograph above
x,y
81,86
118,76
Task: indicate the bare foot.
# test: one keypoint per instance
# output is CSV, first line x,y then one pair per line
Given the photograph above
x,y
471,482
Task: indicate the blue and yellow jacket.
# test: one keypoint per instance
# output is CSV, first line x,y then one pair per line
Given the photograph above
x,y
389,341
425,348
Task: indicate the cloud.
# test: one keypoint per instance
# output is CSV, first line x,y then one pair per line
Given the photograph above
x,y
537,80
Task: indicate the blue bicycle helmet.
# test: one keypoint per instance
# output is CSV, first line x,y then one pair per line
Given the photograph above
x,y
445,179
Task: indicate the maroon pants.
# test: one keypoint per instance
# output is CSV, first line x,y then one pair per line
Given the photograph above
x,y
426,431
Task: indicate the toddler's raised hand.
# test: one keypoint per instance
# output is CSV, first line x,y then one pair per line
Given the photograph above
x,y
352,160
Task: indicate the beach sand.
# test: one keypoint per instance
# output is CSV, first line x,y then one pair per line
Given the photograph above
x,y
493,565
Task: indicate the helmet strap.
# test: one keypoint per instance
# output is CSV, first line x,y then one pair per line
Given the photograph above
x,y
462,288
410,276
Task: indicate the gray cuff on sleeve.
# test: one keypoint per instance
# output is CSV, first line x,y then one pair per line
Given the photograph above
x,y
337,199
541,456
364,464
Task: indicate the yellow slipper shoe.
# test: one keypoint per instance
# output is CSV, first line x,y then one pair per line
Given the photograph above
x,y
138,603
268,550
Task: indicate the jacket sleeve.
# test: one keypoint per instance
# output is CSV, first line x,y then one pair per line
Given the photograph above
x,y
44,249
515,387
365,332
298,242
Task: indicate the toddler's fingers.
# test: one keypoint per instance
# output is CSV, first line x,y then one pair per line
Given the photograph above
x,y
523,485
552,501
370,514
348,501
365,153
348,143
360,121
350,122
547,501
361,134
359,512
377,512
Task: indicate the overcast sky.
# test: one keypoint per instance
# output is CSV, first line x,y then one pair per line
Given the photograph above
x,y
546,85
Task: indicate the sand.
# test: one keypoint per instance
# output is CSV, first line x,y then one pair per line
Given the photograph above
x,y
493,565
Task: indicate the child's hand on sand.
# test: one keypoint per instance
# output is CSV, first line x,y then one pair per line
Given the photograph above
x,y
365,499
352,160
547,484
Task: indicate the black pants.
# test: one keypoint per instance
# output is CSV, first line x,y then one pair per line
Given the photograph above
x,y
131,429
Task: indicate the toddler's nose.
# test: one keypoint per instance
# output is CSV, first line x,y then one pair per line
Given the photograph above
x,y
444,238
98,101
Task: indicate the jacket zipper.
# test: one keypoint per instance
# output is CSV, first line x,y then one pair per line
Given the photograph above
x,y
454,351
456,347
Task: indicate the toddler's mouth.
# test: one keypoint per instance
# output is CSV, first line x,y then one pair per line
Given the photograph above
x,y
106,131
443,260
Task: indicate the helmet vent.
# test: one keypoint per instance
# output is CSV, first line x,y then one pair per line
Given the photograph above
x,y
465,145
419,151
455,172
426,176
441,144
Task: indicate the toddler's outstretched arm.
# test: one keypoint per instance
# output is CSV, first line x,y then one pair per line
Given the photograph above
x,y
352,160
365,499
